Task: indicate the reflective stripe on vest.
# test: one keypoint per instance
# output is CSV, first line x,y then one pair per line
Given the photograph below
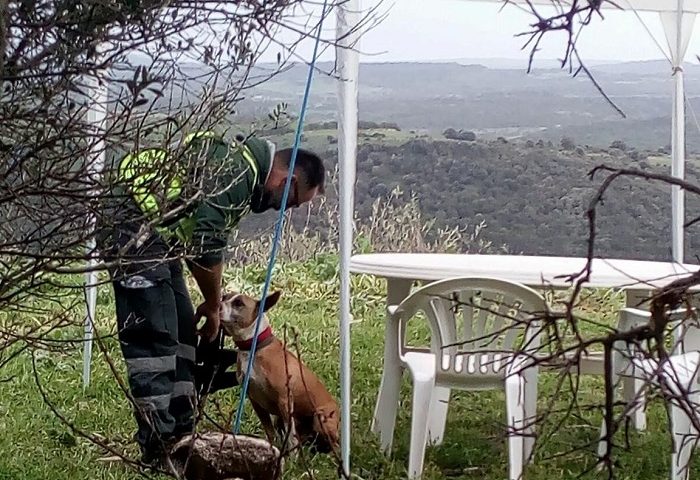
x,y
191,136
248,156
142,171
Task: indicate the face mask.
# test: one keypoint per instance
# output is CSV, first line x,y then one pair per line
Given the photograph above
x,y
263,200
260,200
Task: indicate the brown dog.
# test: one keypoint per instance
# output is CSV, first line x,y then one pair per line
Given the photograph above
x,y
280,384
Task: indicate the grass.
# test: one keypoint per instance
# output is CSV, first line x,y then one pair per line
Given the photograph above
x,y
35,444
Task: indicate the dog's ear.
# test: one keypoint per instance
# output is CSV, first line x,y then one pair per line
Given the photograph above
x,y
271,300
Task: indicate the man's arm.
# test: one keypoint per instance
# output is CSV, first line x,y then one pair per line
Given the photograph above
x,y
209,281
215,218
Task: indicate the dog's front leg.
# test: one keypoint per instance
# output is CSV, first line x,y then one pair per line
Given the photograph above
x,y
266,421
291,441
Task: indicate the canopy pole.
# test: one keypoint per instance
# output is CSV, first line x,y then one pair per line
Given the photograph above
x,y
678,141
347,59
96,116
678,167
678,27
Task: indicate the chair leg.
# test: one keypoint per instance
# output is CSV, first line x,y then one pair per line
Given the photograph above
x,y
602,444
684,440
515,411
385,410
438,414
633,391
387,405
422,394
530,378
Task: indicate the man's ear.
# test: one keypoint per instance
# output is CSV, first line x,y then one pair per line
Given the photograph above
x,y
270,301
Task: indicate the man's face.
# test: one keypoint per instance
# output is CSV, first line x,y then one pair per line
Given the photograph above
x,y
298,195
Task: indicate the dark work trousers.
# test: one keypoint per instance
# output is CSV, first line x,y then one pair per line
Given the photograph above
x,y
158,340
166,368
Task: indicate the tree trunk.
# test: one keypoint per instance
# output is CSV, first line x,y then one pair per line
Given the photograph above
x,y
223,456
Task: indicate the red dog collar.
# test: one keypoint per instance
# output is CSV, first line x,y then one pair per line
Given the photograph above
x,y
264,338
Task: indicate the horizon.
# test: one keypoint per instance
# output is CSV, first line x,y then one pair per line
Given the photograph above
x,y
486,59
457,29
500,63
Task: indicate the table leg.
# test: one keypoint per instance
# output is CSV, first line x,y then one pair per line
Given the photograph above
x,y
633,388
387,404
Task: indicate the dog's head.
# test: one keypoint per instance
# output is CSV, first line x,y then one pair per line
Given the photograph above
x,y
239,313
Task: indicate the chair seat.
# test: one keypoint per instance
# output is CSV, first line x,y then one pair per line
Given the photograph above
x,y
587,363
678,371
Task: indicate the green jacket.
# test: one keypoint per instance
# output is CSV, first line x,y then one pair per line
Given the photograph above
x,y
229,180
217,216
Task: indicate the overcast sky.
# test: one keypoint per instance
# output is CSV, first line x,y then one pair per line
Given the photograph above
x,y
421,30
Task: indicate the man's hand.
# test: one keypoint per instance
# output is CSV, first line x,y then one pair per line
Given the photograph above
x,y
210,329
209,281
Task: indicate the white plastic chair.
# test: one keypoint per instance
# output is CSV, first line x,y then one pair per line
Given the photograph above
x,y
475,324
678,374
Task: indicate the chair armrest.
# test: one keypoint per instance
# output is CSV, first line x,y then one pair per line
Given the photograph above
x,y
630,318
633,317
519,362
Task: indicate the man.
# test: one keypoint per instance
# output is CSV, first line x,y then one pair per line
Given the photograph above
x,y
186,206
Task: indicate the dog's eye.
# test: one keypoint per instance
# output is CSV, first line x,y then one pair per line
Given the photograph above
x,y
237,302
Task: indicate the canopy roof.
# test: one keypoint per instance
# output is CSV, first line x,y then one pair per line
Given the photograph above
x,y
685,6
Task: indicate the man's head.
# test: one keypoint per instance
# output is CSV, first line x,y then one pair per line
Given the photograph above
x,y
308,180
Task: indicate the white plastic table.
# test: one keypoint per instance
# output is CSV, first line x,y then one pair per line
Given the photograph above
x,y
400,270
528,270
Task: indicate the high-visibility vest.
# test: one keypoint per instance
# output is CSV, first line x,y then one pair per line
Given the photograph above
x,y
141,171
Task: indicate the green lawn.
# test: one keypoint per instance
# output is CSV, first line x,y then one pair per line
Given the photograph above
x,y
36,445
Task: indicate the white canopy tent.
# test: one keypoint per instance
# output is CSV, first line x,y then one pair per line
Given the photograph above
x,y
677,18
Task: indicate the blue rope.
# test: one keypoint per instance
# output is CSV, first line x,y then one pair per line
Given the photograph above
x,y
280,223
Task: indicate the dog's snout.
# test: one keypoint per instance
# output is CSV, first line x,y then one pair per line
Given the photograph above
x,y
224,312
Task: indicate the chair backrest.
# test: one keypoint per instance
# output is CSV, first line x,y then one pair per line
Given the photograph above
x,y
475,323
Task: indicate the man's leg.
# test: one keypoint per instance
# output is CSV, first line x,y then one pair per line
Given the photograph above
x,y
147,321
182,405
